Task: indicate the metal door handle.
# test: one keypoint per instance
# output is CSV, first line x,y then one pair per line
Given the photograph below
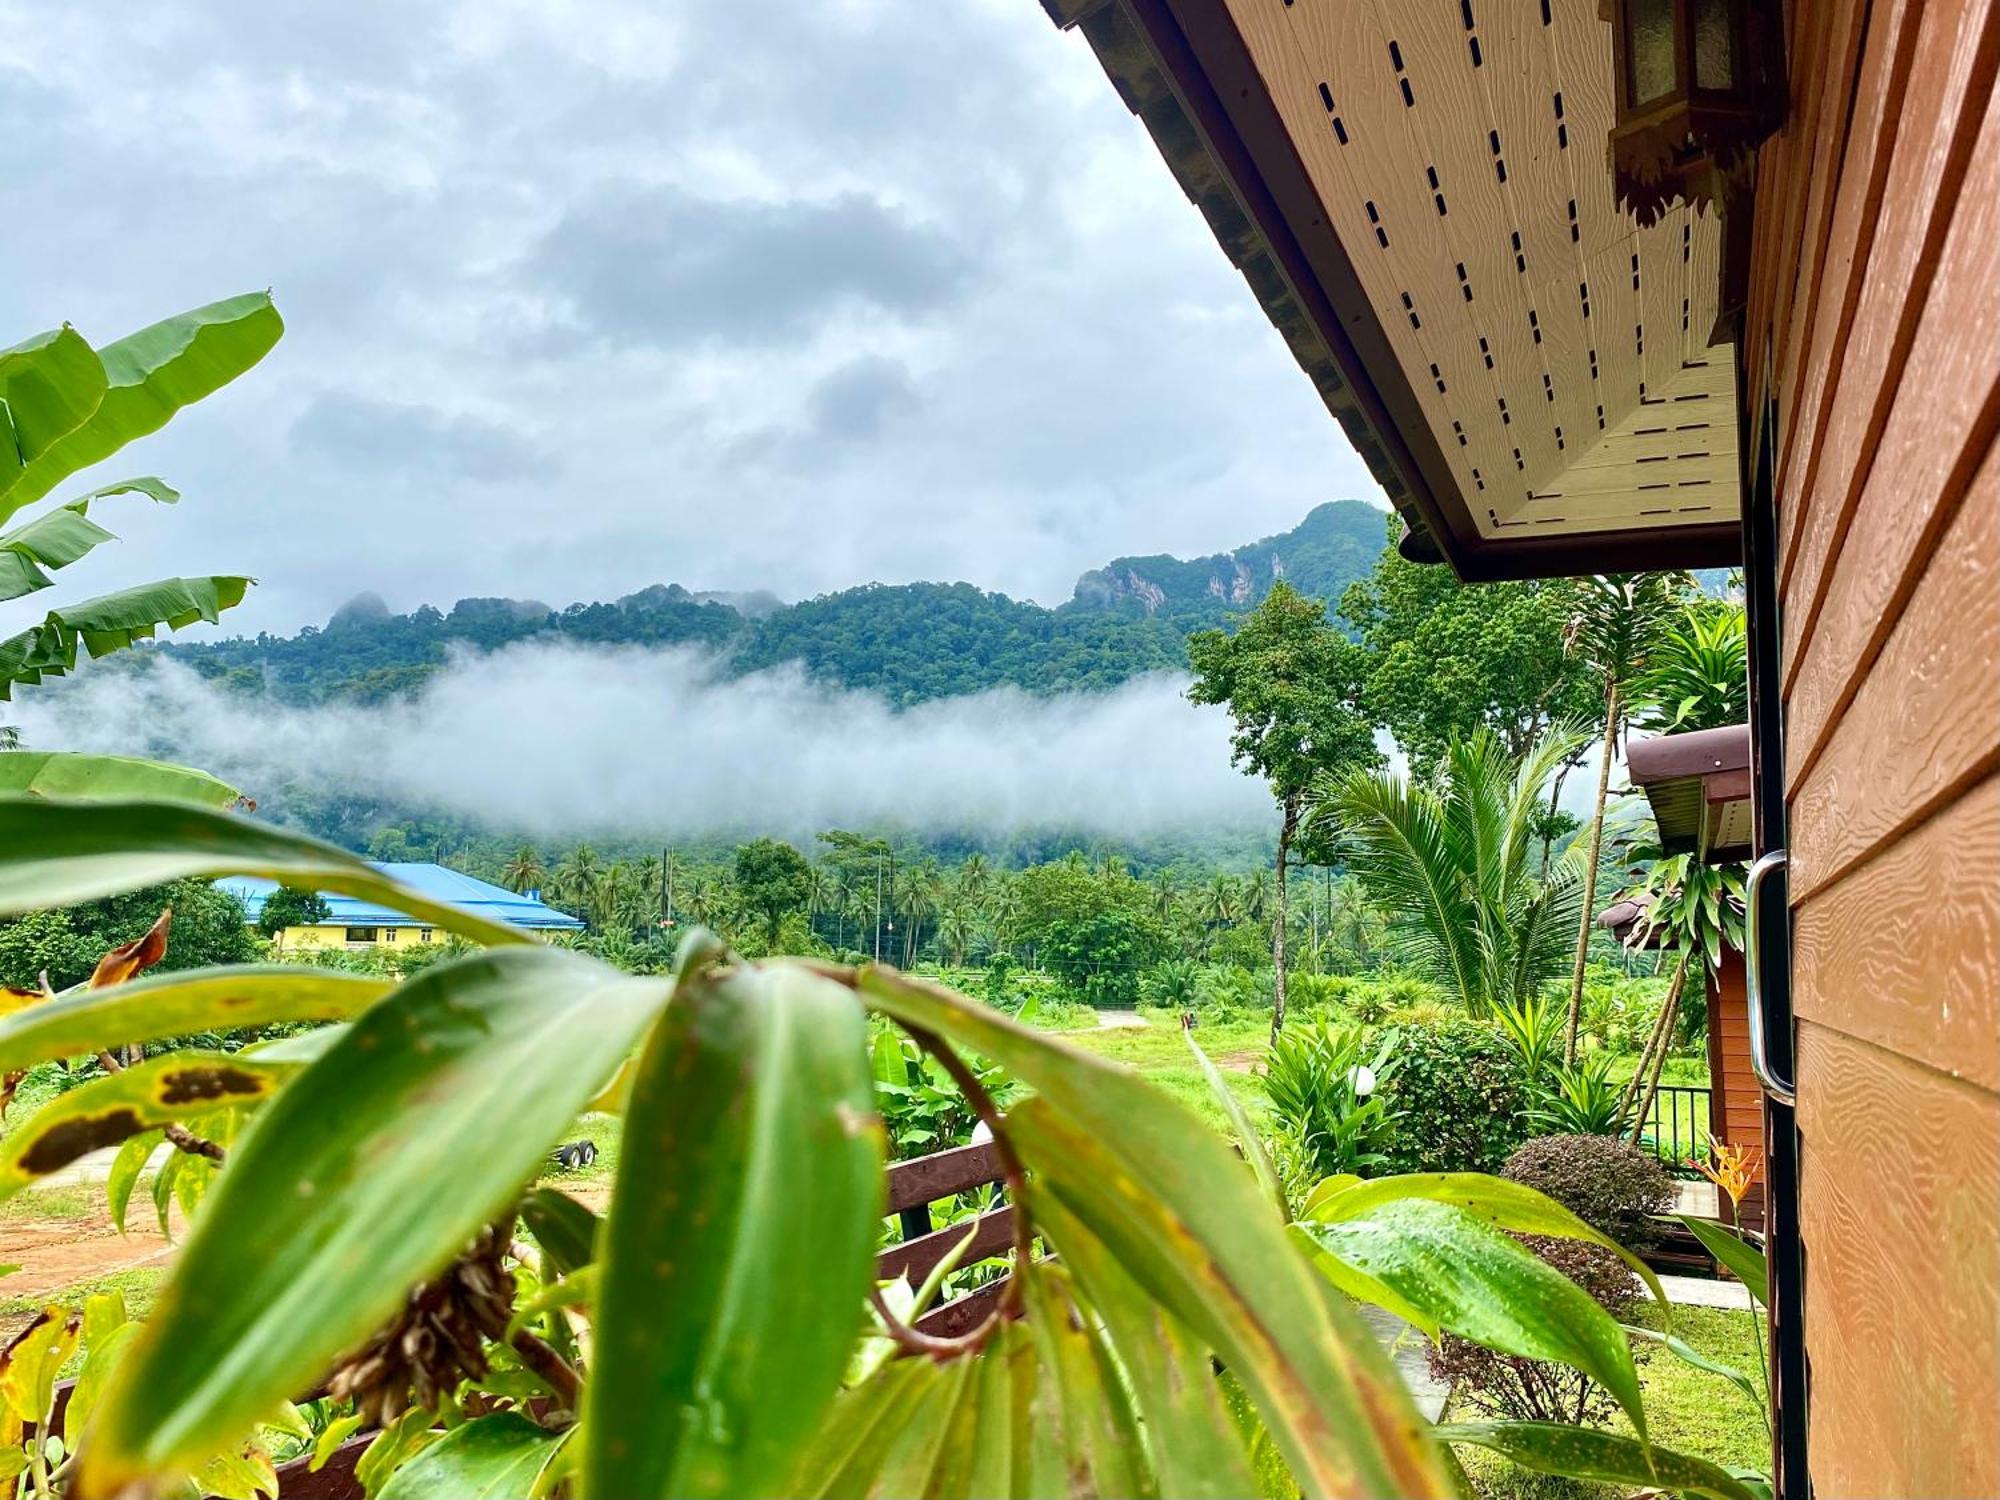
x,y
1753,983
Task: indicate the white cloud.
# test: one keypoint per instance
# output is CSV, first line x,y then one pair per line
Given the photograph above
x,y
563,742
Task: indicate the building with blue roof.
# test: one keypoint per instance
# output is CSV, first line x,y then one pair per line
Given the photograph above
x,y
354,923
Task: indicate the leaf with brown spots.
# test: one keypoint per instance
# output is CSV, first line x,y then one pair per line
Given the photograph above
x,y
109,1110
133,958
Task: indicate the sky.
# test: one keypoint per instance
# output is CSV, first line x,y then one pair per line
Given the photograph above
x,y
583,297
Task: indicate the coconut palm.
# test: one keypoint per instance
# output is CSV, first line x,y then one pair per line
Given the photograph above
x,y
575,876
1619,621
524,870
956,931
1450,865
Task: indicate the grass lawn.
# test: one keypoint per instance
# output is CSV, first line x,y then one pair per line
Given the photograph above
x,y
1687,1410
140,1285
1160,1054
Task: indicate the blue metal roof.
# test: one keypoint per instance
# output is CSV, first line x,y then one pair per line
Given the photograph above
x,y
435,881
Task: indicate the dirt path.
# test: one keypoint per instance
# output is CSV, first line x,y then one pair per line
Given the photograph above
x,y
56,1252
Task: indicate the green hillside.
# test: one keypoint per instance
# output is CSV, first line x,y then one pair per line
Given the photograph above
x,y
909,642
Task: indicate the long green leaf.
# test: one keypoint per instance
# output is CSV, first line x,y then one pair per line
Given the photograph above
x,y
846,1455
146,377
1104,1452
1166,1195
124,1174
1191,1436
738,1249
1247,1136
565,1229
65,773
61,853
49,386
1439,1267
1495,1200
369,1172
1592,1453
495,1457
109,1110
61,536
179,1004
1744,1260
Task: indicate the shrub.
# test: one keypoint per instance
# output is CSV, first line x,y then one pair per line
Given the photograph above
x,y
1328,1097
1173,985
1614,1188
1226,987
1583,1100
1609,1184
1460,1092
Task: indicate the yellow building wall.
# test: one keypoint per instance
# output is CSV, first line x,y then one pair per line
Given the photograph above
x,y
334,935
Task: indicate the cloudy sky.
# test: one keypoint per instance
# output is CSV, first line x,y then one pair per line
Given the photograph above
x,y
585,296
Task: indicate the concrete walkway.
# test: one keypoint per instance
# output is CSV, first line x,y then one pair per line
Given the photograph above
x,y
1410,1351
1699,1291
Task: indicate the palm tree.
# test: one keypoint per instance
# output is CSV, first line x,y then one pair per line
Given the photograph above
x,y
1164,894
575,878
956,931
1221,902
524,870
1451,865
973,877
1619,621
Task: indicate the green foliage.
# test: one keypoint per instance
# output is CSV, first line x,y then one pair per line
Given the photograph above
x,y
66,407
1583,1099
61,773
1452,864
772,879
1445,659
1698,674
922,1108
1329,1093
289,906
208,929
1461,1092
1288,679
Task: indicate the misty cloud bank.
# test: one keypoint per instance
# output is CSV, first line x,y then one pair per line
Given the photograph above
x,y
554,741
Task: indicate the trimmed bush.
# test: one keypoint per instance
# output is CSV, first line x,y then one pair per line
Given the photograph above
x,y
1609,1184
1460,1091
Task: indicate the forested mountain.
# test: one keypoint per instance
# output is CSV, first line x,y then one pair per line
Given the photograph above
x,y
908,642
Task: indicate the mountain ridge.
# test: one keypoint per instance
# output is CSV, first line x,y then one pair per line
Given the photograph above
x,y
910,642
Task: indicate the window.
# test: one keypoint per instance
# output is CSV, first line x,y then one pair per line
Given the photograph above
x,y
388,934
361,934
423,934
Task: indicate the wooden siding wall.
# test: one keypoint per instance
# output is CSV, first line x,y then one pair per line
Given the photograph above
x,y
1874,324
1736,1105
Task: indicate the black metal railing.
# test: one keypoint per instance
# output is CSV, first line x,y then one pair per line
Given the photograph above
x,y
1677,1128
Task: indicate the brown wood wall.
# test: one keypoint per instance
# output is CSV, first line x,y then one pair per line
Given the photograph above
x,y
1736,1105
1874,322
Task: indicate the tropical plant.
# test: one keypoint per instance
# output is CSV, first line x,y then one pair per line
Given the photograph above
x,y
1693,907
524,870
1618,623
736,1252
1326,1087
1450,865
1291,682
1532,1025
65,406
700,1339
1582,1098
1698,676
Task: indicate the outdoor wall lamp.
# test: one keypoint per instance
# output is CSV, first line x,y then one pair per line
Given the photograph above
x,y
1699,84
